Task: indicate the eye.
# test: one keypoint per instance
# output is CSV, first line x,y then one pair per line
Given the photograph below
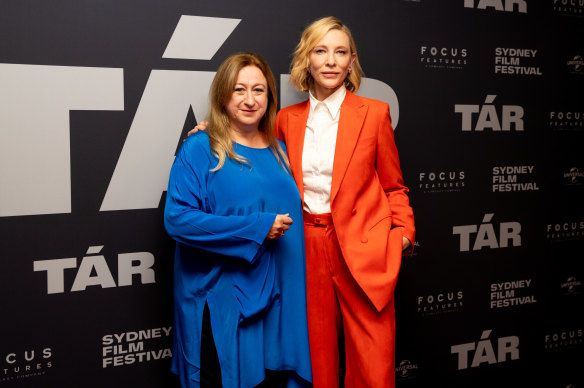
x,y
258,90
319,51
341,52
239,90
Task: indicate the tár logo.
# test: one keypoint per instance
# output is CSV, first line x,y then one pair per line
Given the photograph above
x,y
498,5
153,135
505,349
509,235
511,116
129,264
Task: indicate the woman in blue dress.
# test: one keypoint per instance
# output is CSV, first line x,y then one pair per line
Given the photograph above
x,y
235,212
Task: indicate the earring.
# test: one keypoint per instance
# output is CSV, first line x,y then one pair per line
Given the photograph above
x,y
350,70
308,70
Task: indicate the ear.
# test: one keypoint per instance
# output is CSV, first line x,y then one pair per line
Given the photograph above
x,y
353,57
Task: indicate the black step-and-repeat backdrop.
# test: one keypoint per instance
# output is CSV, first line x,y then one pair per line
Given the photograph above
x,y
486,97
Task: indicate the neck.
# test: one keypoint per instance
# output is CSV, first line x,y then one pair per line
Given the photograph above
x,y
322,93
248,136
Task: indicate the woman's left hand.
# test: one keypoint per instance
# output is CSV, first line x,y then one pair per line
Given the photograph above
x,y
406,244
281,224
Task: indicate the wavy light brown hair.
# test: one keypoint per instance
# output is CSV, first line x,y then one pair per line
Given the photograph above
x,y
219,128
299,76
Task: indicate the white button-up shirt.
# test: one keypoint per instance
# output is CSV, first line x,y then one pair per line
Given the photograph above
x,y
319,151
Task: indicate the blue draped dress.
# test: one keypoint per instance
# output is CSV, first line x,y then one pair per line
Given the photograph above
x,y
255,288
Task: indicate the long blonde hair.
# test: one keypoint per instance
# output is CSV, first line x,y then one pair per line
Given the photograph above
x,y
219,127
299,76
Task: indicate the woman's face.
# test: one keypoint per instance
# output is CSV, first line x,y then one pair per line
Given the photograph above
x,y
249,99
330,61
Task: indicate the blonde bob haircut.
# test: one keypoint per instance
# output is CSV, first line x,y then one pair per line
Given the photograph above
x,y
300,78
219,127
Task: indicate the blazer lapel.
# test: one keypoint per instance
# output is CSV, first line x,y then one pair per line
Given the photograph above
x,y
295,142
352,115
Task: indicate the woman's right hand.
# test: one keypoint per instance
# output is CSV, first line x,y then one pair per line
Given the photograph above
x,y
200,127
281,224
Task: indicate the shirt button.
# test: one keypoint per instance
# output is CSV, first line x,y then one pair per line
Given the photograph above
x,y
364,239
354,211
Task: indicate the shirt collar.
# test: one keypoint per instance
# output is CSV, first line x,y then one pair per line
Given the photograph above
x,y
332,102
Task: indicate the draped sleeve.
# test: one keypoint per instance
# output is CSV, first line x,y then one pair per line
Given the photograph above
x,y
189,217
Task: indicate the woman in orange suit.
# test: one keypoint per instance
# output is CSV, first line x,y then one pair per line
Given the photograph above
x,y
357,216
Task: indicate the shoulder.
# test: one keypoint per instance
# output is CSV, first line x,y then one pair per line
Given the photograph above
x,y
198,140
301,106
288,115
372,104
195,147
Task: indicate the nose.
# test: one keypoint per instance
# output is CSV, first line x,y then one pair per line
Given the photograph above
x,y
249,98
330,59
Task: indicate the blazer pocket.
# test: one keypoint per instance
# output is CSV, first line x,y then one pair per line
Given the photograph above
x,y
383,222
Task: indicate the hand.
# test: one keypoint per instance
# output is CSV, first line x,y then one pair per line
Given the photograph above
x,y
280,225
200,127
406,244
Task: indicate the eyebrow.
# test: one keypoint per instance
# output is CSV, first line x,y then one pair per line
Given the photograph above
x,y
242,84
325,46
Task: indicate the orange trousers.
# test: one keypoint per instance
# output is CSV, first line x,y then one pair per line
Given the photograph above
x,y
337,306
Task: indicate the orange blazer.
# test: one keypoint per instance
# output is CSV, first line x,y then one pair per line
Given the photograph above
x,y
369,203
